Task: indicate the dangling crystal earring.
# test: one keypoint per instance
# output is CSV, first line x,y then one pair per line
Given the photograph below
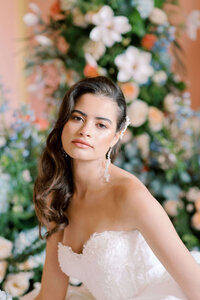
x,y
108,160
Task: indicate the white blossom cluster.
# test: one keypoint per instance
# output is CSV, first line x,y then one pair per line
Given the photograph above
x,y
5,296
26,238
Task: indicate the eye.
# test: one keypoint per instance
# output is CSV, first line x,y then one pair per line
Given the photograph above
x,y
76,118
102,125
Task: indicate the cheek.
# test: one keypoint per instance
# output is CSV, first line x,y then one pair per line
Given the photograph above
x,y
103,140
65,133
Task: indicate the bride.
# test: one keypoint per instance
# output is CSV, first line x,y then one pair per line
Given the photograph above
x,y
104,227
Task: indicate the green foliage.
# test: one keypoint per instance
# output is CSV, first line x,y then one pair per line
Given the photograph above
x,y
138,26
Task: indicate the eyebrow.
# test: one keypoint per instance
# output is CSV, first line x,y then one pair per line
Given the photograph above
x,y
84,114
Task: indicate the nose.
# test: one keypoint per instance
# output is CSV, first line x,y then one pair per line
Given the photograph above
x,y
85,129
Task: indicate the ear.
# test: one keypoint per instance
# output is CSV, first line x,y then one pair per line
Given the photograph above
x,y
116,138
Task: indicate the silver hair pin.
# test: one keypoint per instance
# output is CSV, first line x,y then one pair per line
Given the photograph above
x,y
128,122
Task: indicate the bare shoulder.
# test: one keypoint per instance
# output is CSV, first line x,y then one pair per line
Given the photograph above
x,y
127,183
133,198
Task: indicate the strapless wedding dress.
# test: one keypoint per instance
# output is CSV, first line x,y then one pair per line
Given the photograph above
x,y
118,265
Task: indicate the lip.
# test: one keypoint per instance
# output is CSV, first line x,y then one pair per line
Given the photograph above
x,y
81,142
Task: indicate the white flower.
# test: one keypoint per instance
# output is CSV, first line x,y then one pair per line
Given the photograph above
x,y
79,18
190,207
2,141
143,144
89,15
26,176
90,60
5,248
170,103
193,194
5,296
137,112
32,261
17,208
158,16
156,118
192,24
17,284
109,28
144,7
3,267
159,77
34,7
27,265
30,19
134,64
4,188
43,40
96,49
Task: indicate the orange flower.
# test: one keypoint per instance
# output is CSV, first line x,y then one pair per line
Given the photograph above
x,y
90,71
148,41
145,168
43,123
62,45
130,90
26,117
55,11
197,204
196,220
55,8
156,118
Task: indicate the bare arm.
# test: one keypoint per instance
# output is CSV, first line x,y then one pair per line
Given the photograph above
x,y
54,282
156,227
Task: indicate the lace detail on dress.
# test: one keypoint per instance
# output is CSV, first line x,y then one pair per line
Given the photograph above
x,y
119,265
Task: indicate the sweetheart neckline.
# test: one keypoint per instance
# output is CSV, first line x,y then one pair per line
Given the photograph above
x,y
92,237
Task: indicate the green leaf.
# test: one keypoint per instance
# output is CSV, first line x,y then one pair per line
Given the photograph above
x,y
137,23
159,3
170,174
191,241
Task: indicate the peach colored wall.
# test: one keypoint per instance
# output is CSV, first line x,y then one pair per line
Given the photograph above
x,y
191,49
192,55
11,28
11,62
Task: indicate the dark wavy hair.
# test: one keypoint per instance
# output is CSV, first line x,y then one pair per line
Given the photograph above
x,y
55,180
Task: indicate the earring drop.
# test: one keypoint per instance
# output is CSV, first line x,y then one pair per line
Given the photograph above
x,y
108,160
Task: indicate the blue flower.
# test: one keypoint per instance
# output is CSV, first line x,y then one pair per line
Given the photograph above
x,y
25,153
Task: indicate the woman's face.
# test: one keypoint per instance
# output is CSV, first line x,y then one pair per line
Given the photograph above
x,y
93,120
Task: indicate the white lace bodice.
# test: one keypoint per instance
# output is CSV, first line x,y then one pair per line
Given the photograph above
x,y
120,265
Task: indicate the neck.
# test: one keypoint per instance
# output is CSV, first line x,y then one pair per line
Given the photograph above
x,y
88,176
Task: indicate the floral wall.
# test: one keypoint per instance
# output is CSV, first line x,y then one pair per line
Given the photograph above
x,y
13,50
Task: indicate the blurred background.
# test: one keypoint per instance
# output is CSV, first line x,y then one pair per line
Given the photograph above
x,y
13,30
46,46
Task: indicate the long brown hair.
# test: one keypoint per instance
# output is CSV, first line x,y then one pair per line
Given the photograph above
x,y
55,180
